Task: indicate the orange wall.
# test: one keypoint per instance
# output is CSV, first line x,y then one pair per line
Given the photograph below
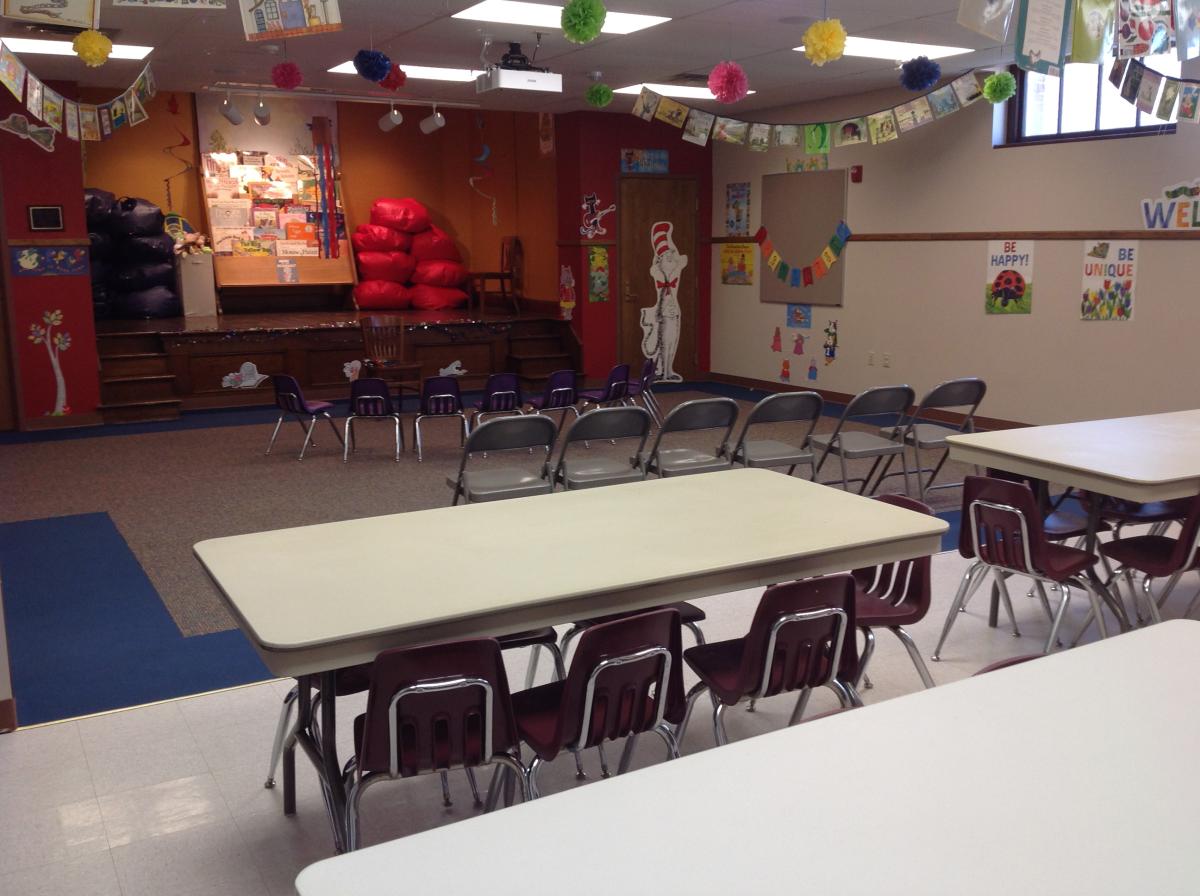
x,y
132,162
434,169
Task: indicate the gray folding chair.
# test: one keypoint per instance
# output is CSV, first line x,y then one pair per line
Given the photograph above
x,y
965,394
855,444
785,407
693,416
591,468
522,433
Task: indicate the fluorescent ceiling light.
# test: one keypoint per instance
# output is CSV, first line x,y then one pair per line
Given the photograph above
x,y
873,48
63,48
674,90
542,15
420,72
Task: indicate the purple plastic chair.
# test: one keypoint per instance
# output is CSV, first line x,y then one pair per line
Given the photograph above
x,y
290,400
643,388
615,391
370,399
440,397
559,394
501,395
432,709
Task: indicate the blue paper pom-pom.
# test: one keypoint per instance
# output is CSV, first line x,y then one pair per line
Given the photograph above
x,y
372,65
920,73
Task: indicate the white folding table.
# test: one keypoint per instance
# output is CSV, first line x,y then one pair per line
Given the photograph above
x,y
317,598
1073,773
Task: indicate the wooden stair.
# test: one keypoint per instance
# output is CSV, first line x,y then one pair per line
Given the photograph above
x,y
535,356
136,384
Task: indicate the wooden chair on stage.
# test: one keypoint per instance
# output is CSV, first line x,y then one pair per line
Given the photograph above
x,y
509,280
383,353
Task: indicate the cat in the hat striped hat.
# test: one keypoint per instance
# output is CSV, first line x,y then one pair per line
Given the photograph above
x,y
660,324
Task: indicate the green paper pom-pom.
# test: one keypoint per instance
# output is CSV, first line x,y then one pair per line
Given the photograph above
x,y
582,20
999,87
599,95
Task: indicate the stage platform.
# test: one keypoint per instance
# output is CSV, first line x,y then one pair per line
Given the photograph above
x,y
151,369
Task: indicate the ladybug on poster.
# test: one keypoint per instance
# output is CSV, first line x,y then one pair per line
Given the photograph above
x,y
1008,288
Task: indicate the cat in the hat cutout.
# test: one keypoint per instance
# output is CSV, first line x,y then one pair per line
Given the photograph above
x,y
660,324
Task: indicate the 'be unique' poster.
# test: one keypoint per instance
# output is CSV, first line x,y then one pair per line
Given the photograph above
x,y
1009,285
1109,271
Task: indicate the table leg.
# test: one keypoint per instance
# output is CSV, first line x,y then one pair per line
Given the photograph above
x,y
303,720
323,755
1091,542
994,607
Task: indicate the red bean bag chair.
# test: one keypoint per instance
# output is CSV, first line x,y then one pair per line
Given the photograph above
x,y
377,238
440,273
436,298
371,295
407,215
394,266
434,244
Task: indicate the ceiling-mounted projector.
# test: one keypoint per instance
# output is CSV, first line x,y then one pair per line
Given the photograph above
x,y
515,72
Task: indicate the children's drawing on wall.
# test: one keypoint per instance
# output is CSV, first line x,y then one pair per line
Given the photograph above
x,y
660,324
593,215
737,264
566,291
798,344
56,343
597,274
830,345
812,369
737,209
1009,285
799,316
644,161
776,344
785,371
1109,269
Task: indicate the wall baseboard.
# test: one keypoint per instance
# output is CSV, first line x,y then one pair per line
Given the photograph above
x,y
8,715
981,423
71,421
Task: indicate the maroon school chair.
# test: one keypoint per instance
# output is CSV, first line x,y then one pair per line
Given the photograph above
x,y
625,679
290,400
501,395
894,595
802,637
432,709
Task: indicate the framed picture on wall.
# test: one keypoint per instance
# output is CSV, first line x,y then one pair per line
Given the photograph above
x,y
45,217
73,13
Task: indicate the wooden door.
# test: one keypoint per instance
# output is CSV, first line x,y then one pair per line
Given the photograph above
x,y
659,266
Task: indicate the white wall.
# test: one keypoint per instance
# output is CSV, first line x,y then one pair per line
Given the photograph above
x,y
923,302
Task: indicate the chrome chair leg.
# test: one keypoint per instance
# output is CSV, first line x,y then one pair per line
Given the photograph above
x,y
275,432
904,467
308,436
719,732
845,476
1002,583
417,438
664,731
1052,639
868,651
399,438
913,654
970,581
1155,615
696,690
332,425
531,671
580,774
801,705
446,801
284,732
627,754
531,777
695,630
474,787
604,772
348,440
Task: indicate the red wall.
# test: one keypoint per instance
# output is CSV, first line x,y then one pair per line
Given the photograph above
x,y
31,176
588,150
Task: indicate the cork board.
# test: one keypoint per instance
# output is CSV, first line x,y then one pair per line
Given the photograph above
x,y
801,211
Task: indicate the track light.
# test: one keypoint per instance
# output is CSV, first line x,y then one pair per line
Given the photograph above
x,y
390,120
230,111
262,112
431,123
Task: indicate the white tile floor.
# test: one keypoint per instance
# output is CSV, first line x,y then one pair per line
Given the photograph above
x,y
169,799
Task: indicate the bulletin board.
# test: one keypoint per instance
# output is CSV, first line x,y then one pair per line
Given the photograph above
x,y
801,211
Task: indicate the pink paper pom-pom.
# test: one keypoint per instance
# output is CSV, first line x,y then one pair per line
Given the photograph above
x,y
727,82
287,76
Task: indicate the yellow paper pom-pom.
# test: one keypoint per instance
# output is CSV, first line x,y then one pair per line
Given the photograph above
x,y
92,47
824,41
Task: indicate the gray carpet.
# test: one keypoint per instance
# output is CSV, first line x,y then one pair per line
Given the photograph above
x,y
166,491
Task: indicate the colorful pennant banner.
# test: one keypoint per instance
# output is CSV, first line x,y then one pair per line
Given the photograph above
x,y
79,121
803,275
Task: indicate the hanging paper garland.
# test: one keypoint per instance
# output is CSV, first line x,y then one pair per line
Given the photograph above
x,y
395,79
919,74
287,76
599,95
92,47
824,41
803,275
728,82
582,20
999,87
372,65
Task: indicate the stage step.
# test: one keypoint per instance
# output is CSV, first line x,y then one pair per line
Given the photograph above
x,y
541,344
538,366
141,411
124,389
134,364
128,343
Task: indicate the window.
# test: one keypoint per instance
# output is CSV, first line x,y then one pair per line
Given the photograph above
x,y
1081,105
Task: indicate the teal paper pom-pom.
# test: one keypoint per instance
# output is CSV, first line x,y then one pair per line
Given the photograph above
x,y
999,87
582,20
599,95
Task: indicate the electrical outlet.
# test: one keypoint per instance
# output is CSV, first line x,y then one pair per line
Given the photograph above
x,y
887,359
870,359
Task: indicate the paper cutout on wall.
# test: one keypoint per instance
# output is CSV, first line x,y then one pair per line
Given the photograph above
x,y
598,288
1008,288
48,261
812,369
593,215
1109,274
737,264
661,323
799,316
785,371
566,291
56,343
245,377
352,370
797,343
776,343
19,125
830,345
455,368
279,19
737,209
